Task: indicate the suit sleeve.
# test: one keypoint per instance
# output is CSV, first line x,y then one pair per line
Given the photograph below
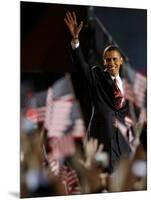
x,y
82,65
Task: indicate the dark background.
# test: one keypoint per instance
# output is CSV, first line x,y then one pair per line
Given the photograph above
x,y
45,39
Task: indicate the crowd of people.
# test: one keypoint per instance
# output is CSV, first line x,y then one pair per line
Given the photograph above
x,y
61,160
83,172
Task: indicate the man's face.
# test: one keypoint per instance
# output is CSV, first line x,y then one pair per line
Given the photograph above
x,y
112,62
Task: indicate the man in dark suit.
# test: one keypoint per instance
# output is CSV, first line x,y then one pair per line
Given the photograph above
x,y
107,95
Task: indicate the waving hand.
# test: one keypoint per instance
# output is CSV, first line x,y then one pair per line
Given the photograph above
x,y
72,25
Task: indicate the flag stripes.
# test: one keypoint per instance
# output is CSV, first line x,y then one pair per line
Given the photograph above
x,y
70,180
60,147
136,93
36,114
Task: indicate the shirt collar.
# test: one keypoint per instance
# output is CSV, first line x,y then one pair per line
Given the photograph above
x,y
117,77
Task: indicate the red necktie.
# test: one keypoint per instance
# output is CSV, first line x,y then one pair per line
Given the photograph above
x,y
117,95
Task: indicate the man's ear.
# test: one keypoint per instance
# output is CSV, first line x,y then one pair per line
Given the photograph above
x,y
122,60
104,62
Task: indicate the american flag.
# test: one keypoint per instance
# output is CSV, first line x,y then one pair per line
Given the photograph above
x,y
142,116
128,91
70,180
62,120
139,88
125,129
54,166
36,115
63,113
60,147
58,115
57,109
78,129
67,175
136,93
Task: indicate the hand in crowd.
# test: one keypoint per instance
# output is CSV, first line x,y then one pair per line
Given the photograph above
x,y
91,148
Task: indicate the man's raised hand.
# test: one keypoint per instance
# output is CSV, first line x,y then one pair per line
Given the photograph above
x,y
72,25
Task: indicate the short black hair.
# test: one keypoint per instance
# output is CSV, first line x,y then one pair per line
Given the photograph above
x,y
112,48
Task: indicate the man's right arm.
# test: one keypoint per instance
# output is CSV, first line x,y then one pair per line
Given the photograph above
x,y
74,30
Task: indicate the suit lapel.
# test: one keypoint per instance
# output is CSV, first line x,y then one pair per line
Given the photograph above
x,y
109,82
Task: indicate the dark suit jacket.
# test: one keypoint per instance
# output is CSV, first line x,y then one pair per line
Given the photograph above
x,y
101,125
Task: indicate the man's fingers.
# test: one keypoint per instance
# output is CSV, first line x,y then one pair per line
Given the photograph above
x,y
70,17
95,144
68,25
74,18
71,22
100,148
80,26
